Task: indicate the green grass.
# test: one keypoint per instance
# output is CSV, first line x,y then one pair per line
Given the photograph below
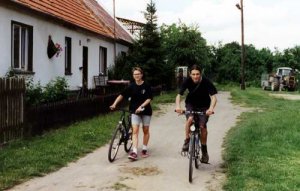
x,y
24,159
262,151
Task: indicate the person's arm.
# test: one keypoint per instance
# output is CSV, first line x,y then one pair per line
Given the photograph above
x,y
177,102
143,105
212,106
114,105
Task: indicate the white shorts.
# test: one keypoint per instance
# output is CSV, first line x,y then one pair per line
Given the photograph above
x,y
138,119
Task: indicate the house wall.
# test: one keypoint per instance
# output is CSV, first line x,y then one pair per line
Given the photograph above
x,y
46,69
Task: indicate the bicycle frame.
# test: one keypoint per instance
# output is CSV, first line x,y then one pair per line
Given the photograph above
x,y
122,134
194,145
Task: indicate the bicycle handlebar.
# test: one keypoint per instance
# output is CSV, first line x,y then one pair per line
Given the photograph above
x,y
194,112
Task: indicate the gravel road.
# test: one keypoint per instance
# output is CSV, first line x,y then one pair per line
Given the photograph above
x,y
165,169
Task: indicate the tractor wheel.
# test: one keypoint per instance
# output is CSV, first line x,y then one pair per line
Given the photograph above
x,y
274,86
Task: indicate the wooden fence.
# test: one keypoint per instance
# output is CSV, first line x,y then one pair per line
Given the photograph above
x,y
47,116
12,92
18,121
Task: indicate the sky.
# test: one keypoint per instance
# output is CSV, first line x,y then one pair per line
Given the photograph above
x,y
272,24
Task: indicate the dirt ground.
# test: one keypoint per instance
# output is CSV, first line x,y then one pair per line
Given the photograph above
x,y
286,96
164,169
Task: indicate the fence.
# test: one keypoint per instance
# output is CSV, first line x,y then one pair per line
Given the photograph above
x,y
12,92
17,121
44,117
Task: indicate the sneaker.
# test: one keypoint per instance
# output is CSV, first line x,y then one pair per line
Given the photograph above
x,y
132,156
185,146
204,158
145,154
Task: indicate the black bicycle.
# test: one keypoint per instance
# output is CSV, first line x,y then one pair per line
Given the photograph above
x,y
122,135
194,145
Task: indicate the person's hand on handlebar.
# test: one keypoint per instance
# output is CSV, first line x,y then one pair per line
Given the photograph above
x,y
112,107
209,112
178,110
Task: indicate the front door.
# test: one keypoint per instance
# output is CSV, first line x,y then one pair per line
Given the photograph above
x,y
85,68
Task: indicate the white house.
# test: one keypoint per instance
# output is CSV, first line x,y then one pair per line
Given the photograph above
x,y
88,36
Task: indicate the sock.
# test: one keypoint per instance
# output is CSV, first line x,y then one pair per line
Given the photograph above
x,y
134,150
204,148
144,147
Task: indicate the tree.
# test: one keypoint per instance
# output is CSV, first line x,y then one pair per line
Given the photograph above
x,y
147,51
184,46
227,60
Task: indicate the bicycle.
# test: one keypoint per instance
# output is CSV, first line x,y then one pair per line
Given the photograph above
x,y
194,145
122,135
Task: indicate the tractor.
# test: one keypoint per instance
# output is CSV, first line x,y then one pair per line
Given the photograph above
x,y
283,79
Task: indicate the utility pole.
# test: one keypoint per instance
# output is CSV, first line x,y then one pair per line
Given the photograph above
x,y
241,8
115,48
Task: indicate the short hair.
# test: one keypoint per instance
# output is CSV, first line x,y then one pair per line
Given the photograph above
x,y
195,67
138,69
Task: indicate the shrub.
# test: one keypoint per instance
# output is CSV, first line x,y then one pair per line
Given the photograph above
x,y
55,90
34,93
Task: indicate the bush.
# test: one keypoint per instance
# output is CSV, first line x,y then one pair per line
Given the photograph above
x,y
55,90
34,93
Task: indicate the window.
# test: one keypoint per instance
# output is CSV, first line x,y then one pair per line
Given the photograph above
x,y
123,54
103,60
68,57
22,46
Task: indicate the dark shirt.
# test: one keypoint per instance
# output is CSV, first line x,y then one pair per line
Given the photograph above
x,y
198,98
138,94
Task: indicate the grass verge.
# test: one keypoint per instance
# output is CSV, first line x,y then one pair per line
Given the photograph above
x,y
25,159
262,151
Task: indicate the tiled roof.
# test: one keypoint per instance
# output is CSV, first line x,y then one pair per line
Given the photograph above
x,y
87,14
104,17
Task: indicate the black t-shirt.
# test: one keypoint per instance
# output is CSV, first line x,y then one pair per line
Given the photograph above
x,y
138,94
198,98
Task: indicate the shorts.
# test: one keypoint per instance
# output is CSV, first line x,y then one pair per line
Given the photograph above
x,y
203,119
138,119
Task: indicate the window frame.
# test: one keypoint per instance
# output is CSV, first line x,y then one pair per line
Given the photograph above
x,y
103,59
25,48
68,55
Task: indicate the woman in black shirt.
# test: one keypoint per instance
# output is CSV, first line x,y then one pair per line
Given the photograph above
x,y
140,95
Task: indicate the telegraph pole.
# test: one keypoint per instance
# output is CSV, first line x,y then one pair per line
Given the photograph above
x,y
241,8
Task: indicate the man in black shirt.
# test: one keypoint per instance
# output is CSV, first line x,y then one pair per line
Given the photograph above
x,y
201,97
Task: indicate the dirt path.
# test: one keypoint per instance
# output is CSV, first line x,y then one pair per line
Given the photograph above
x,y
165,169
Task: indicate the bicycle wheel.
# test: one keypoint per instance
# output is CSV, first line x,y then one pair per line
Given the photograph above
x,y
192,154
128,141
197,153
115,143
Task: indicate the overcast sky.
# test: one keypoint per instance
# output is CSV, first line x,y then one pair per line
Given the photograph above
x,y
268,23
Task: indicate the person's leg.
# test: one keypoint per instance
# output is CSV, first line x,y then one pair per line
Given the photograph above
x,y
146,124
146,135
135,121
188,123
204,133
203,138
135,137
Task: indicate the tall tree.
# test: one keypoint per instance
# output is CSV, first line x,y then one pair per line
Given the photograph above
x,y
148,50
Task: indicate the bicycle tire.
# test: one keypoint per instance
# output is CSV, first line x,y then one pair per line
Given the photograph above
x,y
197,152
128,141
115,143
192,153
